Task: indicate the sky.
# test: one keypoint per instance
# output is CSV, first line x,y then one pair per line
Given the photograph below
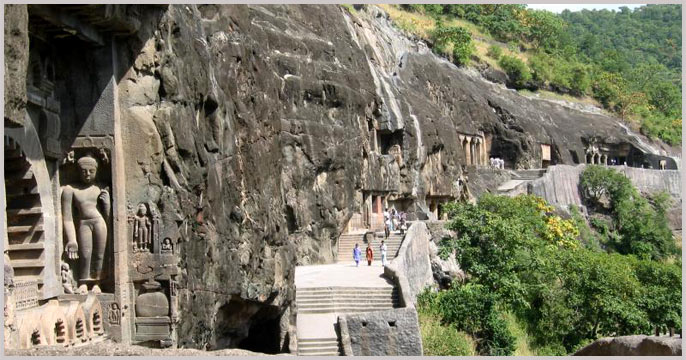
x,y
558,8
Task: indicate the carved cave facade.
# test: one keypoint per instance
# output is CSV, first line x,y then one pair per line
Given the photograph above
x,y
83,263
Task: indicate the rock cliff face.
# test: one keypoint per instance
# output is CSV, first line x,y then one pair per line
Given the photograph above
x,y
256,133
262,125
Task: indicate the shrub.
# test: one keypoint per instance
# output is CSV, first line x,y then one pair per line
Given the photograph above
x,y
443,339
495,52
516,70
458,37
498,340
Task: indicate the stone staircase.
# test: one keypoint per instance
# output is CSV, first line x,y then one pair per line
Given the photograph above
x,y
334,300
24,217
347,242
345,299
319,347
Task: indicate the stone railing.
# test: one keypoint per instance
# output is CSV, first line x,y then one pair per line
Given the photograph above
x,y
411,268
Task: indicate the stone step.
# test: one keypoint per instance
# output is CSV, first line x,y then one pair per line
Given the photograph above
x,y
322,353
345,296
324,348
352,302
24,228
318,345
33,263
19,175
345,289
329,310
28,246
28,211
316,340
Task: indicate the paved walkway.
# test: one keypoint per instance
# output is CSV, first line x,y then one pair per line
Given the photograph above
x,y
317,326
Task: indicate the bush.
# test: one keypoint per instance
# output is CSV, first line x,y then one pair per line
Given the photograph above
x,y
443,340
498,340
473,309
459,38
495,52
516,70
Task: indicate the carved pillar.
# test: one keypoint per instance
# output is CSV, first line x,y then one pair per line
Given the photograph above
x,y
484,156
476,154
468,152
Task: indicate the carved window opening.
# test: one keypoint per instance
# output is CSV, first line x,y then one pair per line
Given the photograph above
x,y
97,323
80,330
60,332
35,337
387,139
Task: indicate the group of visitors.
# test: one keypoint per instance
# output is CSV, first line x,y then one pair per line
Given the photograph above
x,y
394,221
497,163
357,253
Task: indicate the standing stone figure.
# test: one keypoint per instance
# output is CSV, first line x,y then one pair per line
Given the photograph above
x,y
141,229
86,242
67,278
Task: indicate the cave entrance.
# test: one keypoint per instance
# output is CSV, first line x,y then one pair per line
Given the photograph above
x,y
248,325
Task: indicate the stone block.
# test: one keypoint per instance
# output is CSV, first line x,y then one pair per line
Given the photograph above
x,y
381,333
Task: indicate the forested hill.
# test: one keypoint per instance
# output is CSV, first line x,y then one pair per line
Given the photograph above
x,y
627,61
623,39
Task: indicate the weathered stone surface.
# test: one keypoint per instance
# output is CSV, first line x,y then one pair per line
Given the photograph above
x,y
110,348
412,267
16,62
444,270
634,345
381,333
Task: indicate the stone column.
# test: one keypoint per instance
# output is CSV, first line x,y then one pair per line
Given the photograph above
x,y
484,156
477,151
468,152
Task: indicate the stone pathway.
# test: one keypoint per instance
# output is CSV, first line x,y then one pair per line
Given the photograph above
x,y
325,291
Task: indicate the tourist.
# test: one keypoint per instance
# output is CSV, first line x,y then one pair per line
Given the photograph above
x,y
387,227
356,255
383,249
394,215
370,255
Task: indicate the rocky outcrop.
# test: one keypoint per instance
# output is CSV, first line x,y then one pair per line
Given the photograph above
x,y
16,62
634,345
411,268
444,270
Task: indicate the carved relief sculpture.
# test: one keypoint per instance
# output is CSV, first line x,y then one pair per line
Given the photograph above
x,y
67,278
114,314
166,246
142,229
87,239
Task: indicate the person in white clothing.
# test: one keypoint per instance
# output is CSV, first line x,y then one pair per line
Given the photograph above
x,y
383,249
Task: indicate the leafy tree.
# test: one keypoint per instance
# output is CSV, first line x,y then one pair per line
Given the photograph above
x,y
544,28
642,228
516,70
514,252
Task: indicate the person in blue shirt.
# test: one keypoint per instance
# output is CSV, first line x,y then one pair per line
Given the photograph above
x,y
356,254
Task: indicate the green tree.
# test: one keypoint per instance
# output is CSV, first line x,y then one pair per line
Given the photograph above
x,y
544,29
516,70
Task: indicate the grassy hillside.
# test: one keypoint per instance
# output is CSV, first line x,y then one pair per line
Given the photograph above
x,y
628,62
